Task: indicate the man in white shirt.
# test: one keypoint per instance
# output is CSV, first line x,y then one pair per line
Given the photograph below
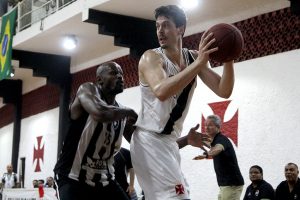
x,y
10,179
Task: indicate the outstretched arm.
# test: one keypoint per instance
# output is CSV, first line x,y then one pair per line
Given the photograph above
x,y
88,99
214,151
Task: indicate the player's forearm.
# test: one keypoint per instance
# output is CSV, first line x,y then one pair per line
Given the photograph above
x,y
131,177
172,85
227,80
110,113
101,111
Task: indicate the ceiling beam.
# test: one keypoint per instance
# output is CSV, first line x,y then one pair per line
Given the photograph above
x,y
135,33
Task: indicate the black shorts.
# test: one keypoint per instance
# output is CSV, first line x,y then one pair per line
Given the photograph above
x,y
69,189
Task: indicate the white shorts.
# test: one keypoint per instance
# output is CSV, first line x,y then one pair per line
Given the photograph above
x,y
156,162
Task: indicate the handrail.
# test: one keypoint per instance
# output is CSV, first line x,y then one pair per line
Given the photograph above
x,y
29,12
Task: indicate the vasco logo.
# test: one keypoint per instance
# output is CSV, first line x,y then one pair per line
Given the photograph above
x,y
230,127
179,189
38,153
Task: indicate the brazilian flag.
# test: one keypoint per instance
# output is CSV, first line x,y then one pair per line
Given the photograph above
x,y
6,37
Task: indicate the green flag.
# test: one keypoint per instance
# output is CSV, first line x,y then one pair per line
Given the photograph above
x,y
6,37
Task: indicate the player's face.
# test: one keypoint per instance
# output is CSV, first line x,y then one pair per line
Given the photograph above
x,y
210,127
291,173
113,79
255,175
167,33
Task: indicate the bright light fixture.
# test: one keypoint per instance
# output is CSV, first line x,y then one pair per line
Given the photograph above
x,y
12,72
70,42
189,4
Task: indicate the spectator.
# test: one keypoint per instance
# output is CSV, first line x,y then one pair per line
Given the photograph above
x,y
49,182
35,183
290,188
41,182
10,179
259,189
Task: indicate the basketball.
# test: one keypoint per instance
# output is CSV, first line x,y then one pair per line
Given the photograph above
x,y
229,41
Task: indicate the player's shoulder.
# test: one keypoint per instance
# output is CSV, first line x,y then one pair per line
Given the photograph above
x,y
87,85
150,54
150,58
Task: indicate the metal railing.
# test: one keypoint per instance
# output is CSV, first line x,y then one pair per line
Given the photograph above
x,y
32,11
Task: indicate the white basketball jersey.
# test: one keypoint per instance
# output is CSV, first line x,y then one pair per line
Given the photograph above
x,y
158,116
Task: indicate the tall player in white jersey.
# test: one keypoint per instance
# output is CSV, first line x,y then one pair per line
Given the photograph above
x,y
167,78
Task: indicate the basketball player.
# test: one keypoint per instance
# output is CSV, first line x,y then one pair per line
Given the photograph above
x,y
85,167
167,80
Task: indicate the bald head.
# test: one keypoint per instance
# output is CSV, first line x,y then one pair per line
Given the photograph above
x,y
9,168
106,67
110,78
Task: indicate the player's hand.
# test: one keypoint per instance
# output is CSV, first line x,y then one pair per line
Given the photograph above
x,y
204,47
198,139
131,114
130,190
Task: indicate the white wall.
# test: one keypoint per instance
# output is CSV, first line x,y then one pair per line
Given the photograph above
x,y
6,147
266,96
44,124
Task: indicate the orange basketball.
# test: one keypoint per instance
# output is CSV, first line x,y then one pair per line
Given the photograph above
x,y
229,40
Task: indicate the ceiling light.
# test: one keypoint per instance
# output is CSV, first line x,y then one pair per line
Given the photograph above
x,y
12,72
70,42
189,4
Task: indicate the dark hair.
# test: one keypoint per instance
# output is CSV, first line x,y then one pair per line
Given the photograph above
x,y
257,167
173,12
293,164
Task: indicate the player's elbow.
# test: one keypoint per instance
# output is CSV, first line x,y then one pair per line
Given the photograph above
x,y
161,96
225,94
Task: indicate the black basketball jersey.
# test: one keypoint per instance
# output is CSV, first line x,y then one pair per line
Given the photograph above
x,y
87,153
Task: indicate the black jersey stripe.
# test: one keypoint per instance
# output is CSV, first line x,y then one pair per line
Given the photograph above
x,y
178,109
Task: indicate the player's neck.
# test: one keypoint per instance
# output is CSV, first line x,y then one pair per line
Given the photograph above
x,y
176,56
107,96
